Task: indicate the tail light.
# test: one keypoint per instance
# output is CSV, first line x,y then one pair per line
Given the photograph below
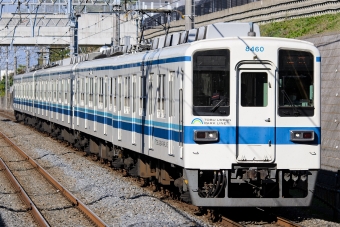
x,y
205,136
301,136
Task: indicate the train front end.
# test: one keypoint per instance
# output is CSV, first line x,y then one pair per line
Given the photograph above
x,y
251,122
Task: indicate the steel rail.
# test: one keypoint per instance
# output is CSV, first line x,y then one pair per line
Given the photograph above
x,y
81,206
286,223
23,195
229,223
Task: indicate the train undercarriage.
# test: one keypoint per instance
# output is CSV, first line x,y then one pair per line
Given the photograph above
x,y
260,185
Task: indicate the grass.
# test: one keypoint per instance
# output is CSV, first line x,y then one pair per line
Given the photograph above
x,y
302,27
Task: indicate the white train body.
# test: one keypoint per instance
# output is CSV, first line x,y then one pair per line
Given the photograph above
x,y
242,111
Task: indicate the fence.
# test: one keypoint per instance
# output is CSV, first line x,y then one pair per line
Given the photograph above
x,y
202,7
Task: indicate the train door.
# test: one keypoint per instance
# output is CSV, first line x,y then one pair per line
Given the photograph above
x,y
171,112
256,113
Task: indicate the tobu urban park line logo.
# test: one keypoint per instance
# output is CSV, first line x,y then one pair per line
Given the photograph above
x,y
197,121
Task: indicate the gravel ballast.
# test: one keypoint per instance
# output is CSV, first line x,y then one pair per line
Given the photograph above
x,y
116,200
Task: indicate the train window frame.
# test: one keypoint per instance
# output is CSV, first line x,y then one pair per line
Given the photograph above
x,y
59,89
150,93
106,88
82,91
134,88
120,93
161,96
46,91
214,97
68,89
100,93
110,92
171,94
302,70
65,88
127,94
90,103
95,92
142,95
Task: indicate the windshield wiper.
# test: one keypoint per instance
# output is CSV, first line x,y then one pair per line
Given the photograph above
x,y
217,105
295,110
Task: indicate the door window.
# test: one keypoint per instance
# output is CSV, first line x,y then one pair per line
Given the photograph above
x,y
254,89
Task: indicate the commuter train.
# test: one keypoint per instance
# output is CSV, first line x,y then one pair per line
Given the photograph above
x,y
224,116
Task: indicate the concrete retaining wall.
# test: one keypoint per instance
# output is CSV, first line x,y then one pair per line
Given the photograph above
x,y
329,46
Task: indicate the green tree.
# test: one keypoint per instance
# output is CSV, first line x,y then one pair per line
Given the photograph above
x,y
21,69
3,83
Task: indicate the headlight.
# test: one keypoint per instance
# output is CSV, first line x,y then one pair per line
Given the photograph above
x,y
301,136
205,136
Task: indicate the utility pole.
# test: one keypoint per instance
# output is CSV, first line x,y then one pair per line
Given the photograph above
x,y
117,38
189,14
27,59
6,79
15,61
74,29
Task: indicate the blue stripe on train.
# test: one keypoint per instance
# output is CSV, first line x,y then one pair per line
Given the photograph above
x,y
251,135
228,134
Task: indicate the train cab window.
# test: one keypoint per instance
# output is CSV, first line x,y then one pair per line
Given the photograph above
x,y
296,83
211,82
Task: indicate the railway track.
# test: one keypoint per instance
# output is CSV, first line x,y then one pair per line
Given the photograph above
x,y
50,203
220,219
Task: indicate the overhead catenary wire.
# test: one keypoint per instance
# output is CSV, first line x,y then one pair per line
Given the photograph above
x,y
67,33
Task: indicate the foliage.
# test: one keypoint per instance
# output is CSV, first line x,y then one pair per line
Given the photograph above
x,y
3,84
302,26
57,54
20,70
